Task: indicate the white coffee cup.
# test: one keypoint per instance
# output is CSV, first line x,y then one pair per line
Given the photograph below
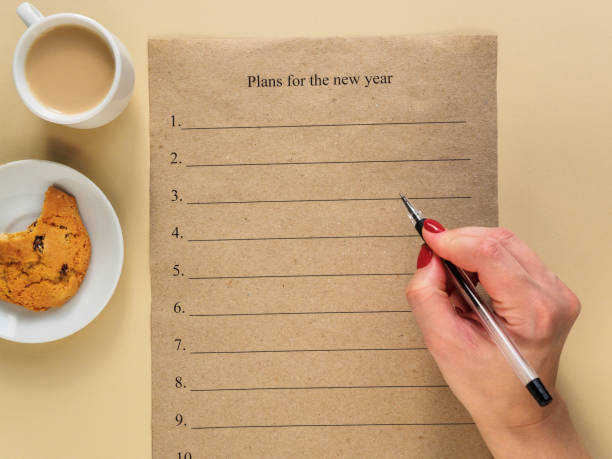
x,y
118,95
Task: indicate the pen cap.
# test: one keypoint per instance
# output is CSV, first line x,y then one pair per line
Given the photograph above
x,y
539,392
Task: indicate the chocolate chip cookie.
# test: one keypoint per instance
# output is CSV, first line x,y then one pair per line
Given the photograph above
x,y
44,266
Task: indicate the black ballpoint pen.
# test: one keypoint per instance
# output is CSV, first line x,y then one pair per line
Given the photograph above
x,y
489,319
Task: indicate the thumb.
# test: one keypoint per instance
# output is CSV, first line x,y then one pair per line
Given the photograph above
x,y
427,295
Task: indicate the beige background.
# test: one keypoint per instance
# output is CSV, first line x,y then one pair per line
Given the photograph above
x,y
89,395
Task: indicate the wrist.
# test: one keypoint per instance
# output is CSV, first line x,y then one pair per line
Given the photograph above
x,y
551,436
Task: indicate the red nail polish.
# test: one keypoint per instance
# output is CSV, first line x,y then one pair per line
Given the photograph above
x,y
433,226
424,256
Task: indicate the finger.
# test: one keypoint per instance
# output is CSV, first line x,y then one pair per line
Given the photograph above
x,y
526,257
498,271
513,291
430,303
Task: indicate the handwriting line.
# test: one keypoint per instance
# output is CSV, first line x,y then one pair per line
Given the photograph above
x,y
372,424
296,238
312,350
282,276
324,200
280,126
384,311
428,386
307,163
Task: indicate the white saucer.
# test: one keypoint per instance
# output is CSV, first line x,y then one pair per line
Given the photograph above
x,y
22,189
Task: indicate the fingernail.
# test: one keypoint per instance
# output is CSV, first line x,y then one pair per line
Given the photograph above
x,y
424,256
433,226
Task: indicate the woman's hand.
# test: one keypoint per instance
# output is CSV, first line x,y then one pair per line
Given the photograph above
x,y
538,311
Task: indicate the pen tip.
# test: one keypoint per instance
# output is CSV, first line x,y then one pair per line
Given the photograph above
x,y
414,214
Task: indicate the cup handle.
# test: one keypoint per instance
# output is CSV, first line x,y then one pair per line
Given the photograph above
x,y
29,14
